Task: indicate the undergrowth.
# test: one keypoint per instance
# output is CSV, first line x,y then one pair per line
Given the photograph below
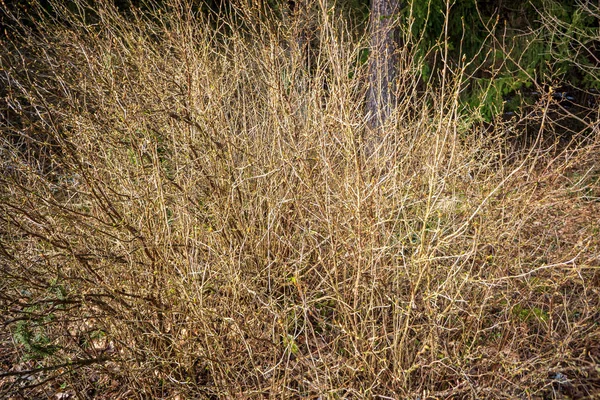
x,y
188,210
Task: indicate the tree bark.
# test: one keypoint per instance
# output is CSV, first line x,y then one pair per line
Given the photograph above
x,y
383,60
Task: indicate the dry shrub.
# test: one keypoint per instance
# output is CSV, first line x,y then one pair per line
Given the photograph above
x,y
188,209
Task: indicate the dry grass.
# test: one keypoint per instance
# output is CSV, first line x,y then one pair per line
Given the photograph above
x,y
187,211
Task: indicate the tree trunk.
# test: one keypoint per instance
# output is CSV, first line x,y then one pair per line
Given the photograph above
x,y
383,60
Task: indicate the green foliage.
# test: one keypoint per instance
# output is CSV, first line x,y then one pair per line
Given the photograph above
x,y
504,49
290,344
528,314
492,96
31,334
355,11
32,330
573,32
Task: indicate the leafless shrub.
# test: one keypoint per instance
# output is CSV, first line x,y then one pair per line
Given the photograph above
x,y
186,211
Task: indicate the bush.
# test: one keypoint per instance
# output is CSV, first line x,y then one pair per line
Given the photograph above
x,y
201,216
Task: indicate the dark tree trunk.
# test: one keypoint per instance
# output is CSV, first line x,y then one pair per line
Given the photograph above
x,y
383,60
301,20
